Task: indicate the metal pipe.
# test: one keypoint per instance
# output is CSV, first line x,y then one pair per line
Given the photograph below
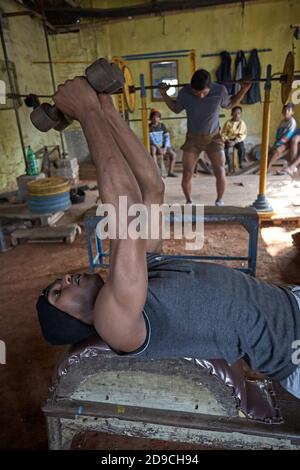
x,y
133,88
55,62
23,95
265,141
11,85
53,80
154,54
151,8
217,54
170,57
192,56
144,111
261,203
170,118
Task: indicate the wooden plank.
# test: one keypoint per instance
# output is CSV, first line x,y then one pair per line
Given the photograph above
x,y
65,233
21,211
76,409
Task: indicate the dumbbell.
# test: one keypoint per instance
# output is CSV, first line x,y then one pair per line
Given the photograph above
x,y
103,76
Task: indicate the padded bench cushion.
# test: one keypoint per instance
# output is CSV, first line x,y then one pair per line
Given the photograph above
x,y
254,395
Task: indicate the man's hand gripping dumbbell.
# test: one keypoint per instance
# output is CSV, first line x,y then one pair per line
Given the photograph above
x,y
103,76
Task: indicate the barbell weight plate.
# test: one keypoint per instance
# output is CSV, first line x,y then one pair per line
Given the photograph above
x,y
288,73
48,186
44,117
128,85
120,97
49,204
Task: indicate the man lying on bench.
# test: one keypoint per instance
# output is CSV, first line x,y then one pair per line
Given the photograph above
x,y
159,308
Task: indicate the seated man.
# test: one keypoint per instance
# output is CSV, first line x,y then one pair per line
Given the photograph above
x,y
158,308
285,131
294,157
160,145
234,133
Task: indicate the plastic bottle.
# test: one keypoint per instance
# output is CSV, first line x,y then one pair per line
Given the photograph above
x,y
32,163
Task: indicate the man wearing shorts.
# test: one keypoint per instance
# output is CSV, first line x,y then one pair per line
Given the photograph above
x,y
202,100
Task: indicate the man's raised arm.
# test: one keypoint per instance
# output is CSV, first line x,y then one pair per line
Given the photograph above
x,y
118,309
170,102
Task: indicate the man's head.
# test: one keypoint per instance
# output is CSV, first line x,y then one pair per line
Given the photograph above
x,y
66,308
155,116
288,110
200,83
236,113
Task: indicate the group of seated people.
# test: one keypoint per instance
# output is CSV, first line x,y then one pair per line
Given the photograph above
x,y
234,133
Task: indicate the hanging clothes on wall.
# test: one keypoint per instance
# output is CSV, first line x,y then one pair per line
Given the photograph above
x,y
223,72
240,70
254,72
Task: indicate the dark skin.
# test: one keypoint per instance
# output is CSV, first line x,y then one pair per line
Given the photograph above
x,y
190,158
158,153
123,167
276,152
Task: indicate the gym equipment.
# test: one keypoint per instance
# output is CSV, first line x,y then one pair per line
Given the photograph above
x,y
101,75
48,195
49,204
110,78
247,217
48,186
288,72
180,400
286,79
128,84
261,203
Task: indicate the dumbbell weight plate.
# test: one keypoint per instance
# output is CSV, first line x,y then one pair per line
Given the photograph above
x,y
46,117
63,123
118,79
99,75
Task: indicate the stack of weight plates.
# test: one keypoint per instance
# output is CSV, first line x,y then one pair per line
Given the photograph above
x,y
49,195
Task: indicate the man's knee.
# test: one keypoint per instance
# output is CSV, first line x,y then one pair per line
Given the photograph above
x,y
274,153
218,163
158,191
187,173
172,155
219,170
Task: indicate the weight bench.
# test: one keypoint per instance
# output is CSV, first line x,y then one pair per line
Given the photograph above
x,y
205,402
247,217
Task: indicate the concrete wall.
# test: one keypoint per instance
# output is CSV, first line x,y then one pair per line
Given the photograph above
x,y
262,24
25,43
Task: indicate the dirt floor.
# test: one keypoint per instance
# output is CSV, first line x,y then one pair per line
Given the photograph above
x,y
26,269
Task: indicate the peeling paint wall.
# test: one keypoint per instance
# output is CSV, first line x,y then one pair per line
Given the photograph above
x,y
25,43
261,24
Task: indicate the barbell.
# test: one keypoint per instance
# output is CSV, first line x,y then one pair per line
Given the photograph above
x,y
128,87
286,79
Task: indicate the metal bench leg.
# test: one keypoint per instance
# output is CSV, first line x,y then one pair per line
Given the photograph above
x,y
89,242
252,227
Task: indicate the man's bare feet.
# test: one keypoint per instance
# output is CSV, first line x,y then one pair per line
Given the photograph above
x,y
291,171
